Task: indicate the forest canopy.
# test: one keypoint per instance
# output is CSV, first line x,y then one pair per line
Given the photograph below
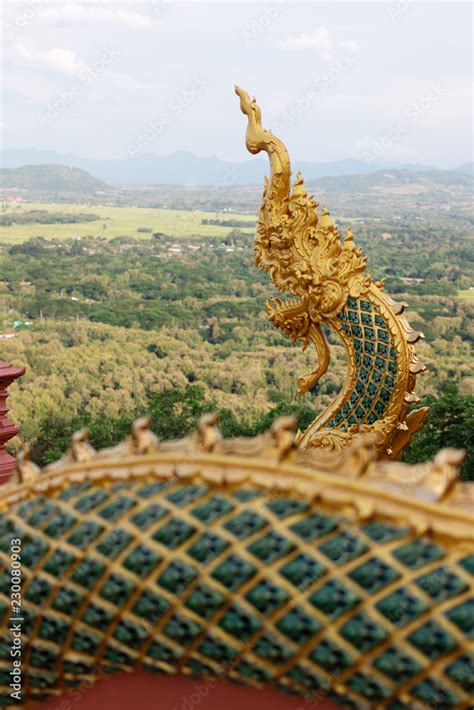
x,y
111,328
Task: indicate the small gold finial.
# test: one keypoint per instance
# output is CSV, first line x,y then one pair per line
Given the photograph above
x,y
208,434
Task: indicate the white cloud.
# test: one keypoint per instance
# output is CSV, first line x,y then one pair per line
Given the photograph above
x,y
321,40
51,64
57,60
76,13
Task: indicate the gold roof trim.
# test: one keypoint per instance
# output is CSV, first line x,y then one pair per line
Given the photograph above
x,y
427,496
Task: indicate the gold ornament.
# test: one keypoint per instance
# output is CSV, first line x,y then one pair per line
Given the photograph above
x,y
306,257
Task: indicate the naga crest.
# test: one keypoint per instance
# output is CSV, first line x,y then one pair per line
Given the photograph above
x,y
306,256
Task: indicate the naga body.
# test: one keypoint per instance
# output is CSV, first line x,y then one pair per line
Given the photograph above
x,y
306,257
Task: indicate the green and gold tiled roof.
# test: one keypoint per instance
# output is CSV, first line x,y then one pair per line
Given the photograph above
x,y
249,560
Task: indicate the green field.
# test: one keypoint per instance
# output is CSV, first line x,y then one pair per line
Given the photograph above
x,y
119,222
466,294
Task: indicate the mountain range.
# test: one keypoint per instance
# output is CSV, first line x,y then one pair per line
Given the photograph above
x,y
50,178
185,168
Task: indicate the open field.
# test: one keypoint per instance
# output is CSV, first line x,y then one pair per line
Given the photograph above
x,y
119,222
466,294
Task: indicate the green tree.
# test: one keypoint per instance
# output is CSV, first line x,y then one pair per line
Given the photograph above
x,y
175,412
450,423
55,435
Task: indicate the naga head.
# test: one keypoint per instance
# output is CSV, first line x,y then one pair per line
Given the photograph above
x,y
258,139
300,249
254,139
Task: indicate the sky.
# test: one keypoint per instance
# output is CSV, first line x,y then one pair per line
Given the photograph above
x,y
376,81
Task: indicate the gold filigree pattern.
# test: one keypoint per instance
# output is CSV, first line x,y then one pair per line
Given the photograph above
x,y
305,256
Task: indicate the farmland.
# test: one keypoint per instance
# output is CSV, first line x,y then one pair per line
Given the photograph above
x,y
118,222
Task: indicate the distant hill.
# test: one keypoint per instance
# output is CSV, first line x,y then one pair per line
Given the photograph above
x,y
185,168
50,178
467,168
401,181
345,176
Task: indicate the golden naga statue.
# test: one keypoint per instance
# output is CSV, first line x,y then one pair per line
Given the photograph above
x,y
305,256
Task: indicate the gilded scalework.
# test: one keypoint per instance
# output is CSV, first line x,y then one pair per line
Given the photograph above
x,y
322,573
306,257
